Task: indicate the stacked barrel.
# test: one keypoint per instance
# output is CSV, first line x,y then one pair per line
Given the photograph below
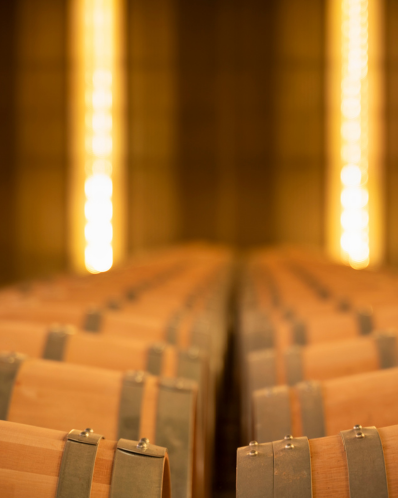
x,y
134,356
318,356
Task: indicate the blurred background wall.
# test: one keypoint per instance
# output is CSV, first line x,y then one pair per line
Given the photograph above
x,y
33,138
251,114
152,38
226,126
391,127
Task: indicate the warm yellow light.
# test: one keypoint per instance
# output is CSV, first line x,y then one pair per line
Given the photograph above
x,y
354,219
98,185
98,233
101,122
102,145
354,197
351,108
98,208
102,99
102,78
351,175
97,112
99,257
351,130
101,166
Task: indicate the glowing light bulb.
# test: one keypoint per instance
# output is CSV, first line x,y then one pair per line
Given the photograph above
x,y
98,210
98,233
101,122
354,197
101,166
351,107
102,99
98,186
351,175
351,131
98,258
102,145
102,78
356,219
351,152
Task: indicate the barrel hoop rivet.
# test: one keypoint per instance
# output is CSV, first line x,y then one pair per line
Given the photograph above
x,y
253,448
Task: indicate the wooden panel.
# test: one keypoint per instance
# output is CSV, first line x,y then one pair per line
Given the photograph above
x,y
197,170
153,216
251,129
254,117
299,160
7,137
391,39
40,142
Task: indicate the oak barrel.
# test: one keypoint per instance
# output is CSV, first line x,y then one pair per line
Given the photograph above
x,y
128,405
360,462
46,463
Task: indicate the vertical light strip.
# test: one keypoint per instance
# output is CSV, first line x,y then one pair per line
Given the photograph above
x,y
354,134
98,209
355,117
96,190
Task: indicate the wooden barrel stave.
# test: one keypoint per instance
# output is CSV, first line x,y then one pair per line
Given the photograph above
x,y
30,461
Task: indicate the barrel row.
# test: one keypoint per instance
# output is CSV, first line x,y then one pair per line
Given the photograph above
x,y
180,318
278,349
317,354
135,354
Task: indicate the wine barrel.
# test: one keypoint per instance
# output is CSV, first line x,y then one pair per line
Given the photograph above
x,y
304,329
110,322
322,361
317,409
358,463
45,463
314,294
264,366
129,406
64,343
164,290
